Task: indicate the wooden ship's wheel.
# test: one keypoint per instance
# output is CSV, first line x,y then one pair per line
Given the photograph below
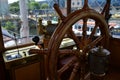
x,y
78,57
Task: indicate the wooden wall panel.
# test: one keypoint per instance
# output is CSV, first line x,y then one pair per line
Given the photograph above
x,y
28,72
114,48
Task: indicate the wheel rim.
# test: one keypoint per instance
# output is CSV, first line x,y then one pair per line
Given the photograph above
x,y
61,30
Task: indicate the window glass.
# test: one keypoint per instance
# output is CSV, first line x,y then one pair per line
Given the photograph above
x,y
20,23
76,27
73,3
79,27
78,3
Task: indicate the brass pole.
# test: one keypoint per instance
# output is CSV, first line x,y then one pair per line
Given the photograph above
x,y
107,14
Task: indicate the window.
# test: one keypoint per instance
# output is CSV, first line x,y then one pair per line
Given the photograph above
x,y
75,26
79,27
78,3
20,23
115,31
73,3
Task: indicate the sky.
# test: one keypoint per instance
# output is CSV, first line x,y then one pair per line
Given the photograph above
x,y
11,1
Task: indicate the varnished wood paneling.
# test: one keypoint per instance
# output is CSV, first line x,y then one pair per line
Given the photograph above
x,y
29,72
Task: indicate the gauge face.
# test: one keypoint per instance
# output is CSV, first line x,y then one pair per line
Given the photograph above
x,y
13,56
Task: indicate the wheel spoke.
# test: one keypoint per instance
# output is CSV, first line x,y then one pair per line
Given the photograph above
x,y
84,39
56,7
94,31
104,9
74,72
93,43
68,51
66,66
74,37
84,33
82,71
85,4
37,51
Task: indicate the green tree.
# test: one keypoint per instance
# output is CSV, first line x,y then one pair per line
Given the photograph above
x,y
14,7
44,6
33,5
9,26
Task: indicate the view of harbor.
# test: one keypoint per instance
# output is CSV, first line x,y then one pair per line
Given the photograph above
x,y
14,17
